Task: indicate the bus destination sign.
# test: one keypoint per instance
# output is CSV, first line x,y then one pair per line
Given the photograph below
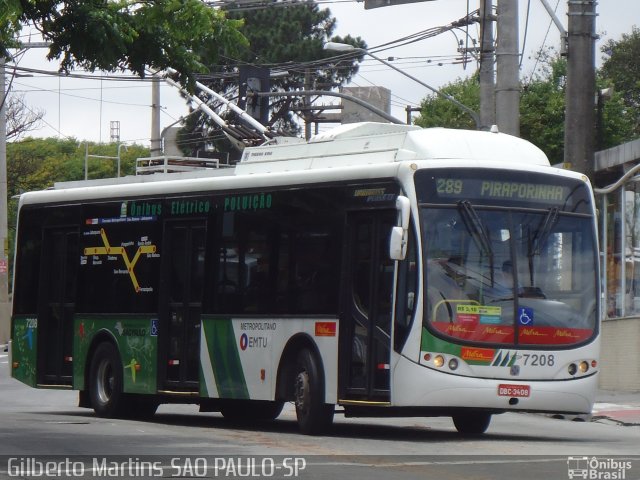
x,y
500,190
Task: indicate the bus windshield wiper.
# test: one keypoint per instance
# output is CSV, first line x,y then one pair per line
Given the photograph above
x,y
476,228
540,237
544,230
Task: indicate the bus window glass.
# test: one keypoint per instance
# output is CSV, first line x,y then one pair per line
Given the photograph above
x,y
361,295
407,294
509,276
476,292
27,279
119,260
284,259
229,278
259,291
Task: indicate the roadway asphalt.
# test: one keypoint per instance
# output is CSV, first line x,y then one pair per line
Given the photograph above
x,y
613,407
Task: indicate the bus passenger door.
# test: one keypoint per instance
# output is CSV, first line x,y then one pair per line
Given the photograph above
x,y
57,293
366,324
181,304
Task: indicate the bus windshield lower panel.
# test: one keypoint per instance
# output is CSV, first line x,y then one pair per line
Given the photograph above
x,y
509,277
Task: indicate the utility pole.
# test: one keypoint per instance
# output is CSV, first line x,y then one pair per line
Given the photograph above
x,y
581,87
507,69
156,141
307,104
5,313
487,79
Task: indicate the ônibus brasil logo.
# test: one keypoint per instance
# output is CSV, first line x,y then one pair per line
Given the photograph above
x,y
597,468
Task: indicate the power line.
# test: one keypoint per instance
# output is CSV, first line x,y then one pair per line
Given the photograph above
x,y
526,30
85,76
544,41
36,89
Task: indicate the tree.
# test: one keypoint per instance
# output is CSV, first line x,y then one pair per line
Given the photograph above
x,y
542,104
20,118
124,34
542,107
621,69
436,111
37,163
288,40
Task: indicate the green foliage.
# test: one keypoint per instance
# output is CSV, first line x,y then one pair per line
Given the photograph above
x,y
9,23
621,70
124,34
38,163
439,112
288,39
296,34
542,102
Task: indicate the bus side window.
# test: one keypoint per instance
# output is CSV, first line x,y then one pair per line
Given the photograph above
x,y
27,268
228,270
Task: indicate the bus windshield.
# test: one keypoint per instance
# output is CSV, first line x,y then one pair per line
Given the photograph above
x,y
509,273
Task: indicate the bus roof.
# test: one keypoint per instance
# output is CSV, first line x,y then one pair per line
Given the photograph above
x,y
368,143
338,154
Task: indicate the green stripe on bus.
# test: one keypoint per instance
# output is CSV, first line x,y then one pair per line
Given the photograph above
x,y
225,359
24,348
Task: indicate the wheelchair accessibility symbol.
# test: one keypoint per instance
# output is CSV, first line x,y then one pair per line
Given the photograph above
x,y
154,327
525,316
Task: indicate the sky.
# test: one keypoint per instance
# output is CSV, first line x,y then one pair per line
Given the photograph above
x,y
84,109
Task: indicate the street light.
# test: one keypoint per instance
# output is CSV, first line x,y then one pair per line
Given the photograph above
x,y
345,47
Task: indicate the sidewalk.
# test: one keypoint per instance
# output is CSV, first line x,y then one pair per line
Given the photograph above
x,y
619,408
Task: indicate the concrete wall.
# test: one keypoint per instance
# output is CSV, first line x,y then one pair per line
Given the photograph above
x,y
5,322
377,96
620,355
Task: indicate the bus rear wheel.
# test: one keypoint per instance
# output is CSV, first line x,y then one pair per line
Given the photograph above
x,y
106,383
472,423
314,416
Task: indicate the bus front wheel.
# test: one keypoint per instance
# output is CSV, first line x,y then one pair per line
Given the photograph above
x,y
314,416
106,387
472,423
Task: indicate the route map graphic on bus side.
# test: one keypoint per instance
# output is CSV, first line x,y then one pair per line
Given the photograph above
x,y
107,249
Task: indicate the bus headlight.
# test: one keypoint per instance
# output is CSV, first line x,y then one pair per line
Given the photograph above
x,y
438,361
572,369
583,367
453,364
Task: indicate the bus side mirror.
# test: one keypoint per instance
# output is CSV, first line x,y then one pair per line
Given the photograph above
x,y
403,206
399,234
398,243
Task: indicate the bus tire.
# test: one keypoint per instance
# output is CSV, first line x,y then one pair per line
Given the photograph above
x,y
472,423
314,416
106,382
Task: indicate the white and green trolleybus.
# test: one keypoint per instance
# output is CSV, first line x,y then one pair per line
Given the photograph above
x,y
385,270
